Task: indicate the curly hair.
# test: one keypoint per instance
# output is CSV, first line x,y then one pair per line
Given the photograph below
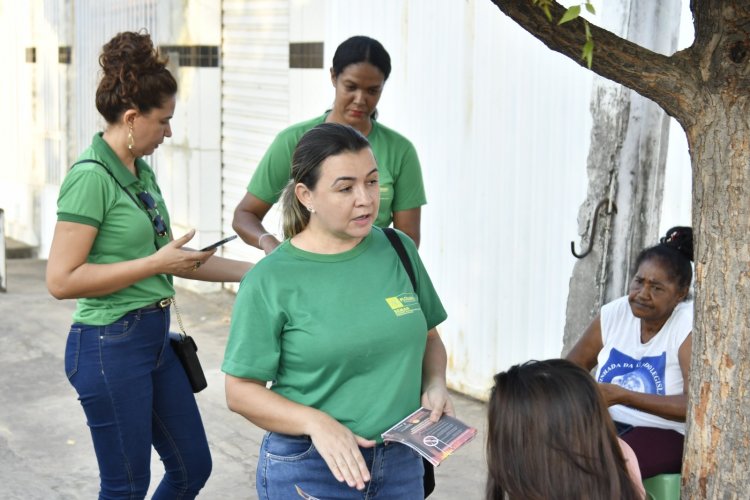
x,y
134,76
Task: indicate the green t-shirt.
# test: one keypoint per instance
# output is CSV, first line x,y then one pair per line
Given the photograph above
x,y
89,195
342,333
400,176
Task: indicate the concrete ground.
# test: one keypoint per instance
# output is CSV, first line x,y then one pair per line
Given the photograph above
x,y
45,447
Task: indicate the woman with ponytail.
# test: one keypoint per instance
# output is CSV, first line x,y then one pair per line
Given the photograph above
x,y
641,345
329,344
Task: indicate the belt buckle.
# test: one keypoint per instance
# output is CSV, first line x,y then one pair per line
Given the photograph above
x,y
164,303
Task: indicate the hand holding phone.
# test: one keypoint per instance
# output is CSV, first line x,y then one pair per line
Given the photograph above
x,y
218,243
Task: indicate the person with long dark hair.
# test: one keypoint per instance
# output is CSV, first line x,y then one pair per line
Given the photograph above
x,y
113,250
550,437
361,66
329,344
641,346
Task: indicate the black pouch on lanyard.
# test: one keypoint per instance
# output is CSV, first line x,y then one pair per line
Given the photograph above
x,y
187,352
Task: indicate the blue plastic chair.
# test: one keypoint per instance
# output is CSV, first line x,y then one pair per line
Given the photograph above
x,y
663,487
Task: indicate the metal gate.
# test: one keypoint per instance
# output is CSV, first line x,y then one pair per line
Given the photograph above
x,y
255,98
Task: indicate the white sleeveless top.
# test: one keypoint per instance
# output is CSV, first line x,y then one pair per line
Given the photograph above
x,y
651,368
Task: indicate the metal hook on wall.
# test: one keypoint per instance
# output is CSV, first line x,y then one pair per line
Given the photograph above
x,y
611,208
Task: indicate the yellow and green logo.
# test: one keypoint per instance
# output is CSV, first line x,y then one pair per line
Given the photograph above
x,y
404,304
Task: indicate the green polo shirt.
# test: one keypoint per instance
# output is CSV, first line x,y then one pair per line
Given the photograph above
x,y
89,195
399,172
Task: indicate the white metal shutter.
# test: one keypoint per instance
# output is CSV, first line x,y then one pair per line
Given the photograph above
x,y
254,100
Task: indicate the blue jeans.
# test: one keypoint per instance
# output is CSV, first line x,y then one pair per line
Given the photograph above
x,y
135,393
288,461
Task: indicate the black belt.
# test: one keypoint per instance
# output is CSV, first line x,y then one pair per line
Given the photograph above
x,y
159,304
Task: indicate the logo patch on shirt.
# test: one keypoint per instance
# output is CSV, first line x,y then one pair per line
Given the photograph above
x,y
386,191
404,304
645,375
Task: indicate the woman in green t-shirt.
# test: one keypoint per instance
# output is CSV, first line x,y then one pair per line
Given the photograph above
x,y
332,320
361,66
113,251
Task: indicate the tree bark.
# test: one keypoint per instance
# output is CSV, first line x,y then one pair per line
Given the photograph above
x,y
707,89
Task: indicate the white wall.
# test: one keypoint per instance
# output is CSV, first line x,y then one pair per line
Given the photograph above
x,y
20,179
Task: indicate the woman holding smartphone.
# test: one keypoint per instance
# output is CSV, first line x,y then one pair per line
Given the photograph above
x,y
114,252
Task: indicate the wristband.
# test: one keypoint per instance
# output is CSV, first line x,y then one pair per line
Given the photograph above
x,y
262,236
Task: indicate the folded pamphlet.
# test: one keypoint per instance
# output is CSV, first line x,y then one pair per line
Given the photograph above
x,y
435,441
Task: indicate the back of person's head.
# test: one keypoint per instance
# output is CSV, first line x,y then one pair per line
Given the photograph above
x,y
314,147
550,437
134,76
359,49
675,253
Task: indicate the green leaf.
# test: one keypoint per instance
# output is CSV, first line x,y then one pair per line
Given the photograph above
x,y
547,13
570,14
590,8
588,30
588,52
544,5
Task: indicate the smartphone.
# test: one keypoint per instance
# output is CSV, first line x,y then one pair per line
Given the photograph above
x,y
218,243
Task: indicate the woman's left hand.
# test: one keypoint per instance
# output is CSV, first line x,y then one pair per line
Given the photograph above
x,y
437,399
434,389
612,393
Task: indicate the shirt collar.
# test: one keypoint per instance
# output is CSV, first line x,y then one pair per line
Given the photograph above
x,y
120,171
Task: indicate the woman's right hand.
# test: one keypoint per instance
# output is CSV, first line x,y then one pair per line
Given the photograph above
x,y
172,258
339,447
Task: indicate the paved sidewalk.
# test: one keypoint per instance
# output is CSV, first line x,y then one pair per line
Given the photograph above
x,y
45,447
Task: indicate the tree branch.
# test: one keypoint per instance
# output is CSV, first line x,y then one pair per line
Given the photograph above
x,y
664,80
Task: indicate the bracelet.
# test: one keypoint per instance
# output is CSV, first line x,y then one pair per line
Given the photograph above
x,y
262,236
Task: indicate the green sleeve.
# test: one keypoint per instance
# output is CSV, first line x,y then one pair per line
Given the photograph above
x,y
85,196
254,344
408,187
274,170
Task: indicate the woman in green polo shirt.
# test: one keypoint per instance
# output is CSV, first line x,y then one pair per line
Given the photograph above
x,y
361,66
113,251
331,319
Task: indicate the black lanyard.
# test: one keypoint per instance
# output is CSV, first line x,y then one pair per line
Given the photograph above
x,y
148,216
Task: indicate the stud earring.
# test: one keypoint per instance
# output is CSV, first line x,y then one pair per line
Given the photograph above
x,y
311,209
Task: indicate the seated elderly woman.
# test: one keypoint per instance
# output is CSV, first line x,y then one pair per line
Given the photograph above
x,y
641,345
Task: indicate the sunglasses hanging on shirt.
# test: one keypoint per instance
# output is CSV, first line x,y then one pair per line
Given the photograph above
x,y
153,212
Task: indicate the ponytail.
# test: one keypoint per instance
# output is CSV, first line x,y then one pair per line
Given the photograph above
x,y
315,146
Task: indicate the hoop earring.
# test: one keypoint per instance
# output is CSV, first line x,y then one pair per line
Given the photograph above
x,y
131,141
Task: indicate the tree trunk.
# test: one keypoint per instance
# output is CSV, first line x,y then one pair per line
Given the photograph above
x,y
717,450
626,163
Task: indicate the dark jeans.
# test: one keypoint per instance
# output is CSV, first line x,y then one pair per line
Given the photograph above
x,y
659,451
135,394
